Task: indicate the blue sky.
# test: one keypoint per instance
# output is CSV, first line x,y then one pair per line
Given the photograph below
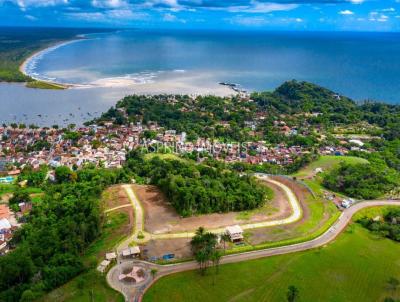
x,y
341,15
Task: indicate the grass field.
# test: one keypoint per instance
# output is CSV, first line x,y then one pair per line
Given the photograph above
x,y
356,267
328,162
44,85
10,188
166,156
91,285
322,214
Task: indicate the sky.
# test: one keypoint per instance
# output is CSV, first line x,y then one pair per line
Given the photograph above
x,y
312,15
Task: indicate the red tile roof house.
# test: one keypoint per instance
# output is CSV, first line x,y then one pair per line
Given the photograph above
x,y
4,211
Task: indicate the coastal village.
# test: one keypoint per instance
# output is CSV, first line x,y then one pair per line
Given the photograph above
x,y
107,146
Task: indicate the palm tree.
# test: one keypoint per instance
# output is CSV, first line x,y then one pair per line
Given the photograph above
x,y
216,258
225,238
200,231
203,245
202,259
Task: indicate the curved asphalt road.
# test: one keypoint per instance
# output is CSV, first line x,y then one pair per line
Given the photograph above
x,y
322,240
135,294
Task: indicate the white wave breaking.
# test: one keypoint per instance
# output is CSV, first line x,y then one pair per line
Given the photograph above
x,y
29,67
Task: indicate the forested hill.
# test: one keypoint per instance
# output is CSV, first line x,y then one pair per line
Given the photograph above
x,y
229,117
308,97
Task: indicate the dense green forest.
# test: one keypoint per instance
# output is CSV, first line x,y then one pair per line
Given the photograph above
x,y
199,189
69,217
57,232
18,43
388,227
304,105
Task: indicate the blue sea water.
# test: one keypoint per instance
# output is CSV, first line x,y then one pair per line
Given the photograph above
x,y
359,65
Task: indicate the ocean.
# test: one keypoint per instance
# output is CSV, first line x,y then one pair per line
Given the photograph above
x,y
105,67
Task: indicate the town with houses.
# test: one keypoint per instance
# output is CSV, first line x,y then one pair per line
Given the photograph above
x,y
108,145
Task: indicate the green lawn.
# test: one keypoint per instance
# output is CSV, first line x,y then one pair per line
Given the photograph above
x,y
87,287
356,267
44,85
166,156
10,188
328,162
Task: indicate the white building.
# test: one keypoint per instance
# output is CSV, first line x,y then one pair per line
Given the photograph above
x,y
235,233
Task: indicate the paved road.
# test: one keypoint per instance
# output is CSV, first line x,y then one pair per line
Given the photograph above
x,y
139,218
322,240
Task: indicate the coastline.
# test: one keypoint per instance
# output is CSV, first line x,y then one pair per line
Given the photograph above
x,y
26,62
188,84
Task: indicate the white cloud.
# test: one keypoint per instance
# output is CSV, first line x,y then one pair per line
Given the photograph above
x,y
31,18
357,1
109,3
248,21
24,4
346,12
86,16
389,10
383,18
169,17
375,17
262,7
110,16
126,14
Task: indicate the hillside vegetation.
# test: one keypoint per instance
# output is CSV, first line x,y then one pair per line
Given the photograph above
x,y
199,189
302,103
364,181
327,163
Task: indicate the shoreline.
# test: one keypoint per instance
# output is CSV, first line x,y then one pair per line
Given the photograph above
x,y
24,64
161,86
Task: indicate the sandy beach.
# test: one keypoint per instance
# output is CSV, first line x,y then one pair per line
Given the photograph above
x,y
170,82
23,68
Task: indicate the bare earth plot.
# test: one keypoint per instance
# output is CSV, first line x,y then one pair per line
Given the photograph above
x,y
160,216
284,209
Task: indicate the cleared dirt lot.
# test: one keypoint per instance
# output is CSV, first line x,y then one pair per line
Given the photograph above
x,y
116,196
157,248
160,216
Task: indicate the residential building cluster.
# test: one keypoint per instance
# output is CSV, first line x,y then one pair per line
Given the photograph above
x,y
107,145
